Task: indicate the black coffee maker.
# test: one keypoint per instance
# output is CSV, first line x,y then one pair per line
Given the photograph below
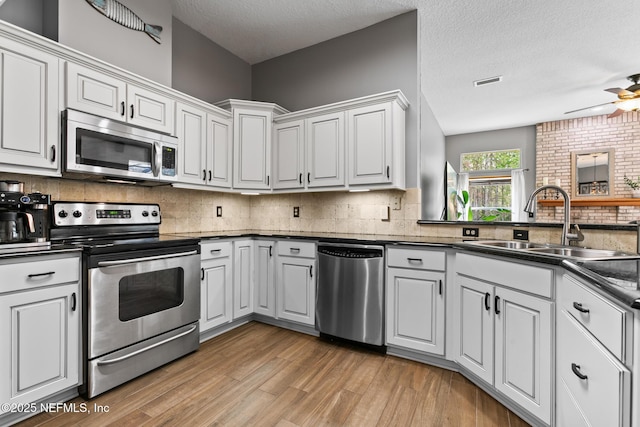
x,y
24,218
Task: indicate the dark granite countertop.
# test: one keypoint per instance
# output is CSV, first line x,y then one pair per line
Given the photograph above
x,y
617,278
328,237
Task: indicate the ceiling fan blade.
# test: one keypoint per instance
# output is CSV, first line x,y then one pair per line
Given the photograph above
x,y
588,108
622,93
615,113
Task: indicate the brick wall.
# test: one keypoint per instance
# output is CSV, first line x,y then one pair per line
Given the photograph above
x,y
556,140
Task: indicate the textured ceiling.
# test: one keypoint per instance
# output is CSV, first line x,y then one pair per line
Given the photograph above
x,y
554,55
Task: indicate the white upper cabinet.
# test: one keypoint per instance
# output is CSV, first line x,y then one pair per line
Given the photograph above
x,y
370,144
358,143
325,150
29,111
93,92
204,138
288,155
252,128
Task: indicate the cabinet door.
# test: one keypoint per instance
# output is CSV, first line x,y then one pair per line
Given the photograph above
x,y
95,93
325,150
288,155
523,350
296,290
150,109
597,383
41,343
264,301
242,278
473,345
415,310
216,293
219,151
191,129
29,112
252,149
370,144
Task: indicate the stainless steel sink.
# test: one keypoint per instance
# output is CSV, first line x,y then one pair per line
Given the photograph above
x,y
581,252
509,244
553,250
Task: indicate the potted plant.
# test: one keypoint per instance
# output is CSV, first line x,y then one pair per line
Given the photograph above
x,y
635,186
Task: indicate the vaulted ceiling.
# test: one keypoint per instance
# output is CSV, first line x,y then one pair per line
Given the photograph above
x,y
553,55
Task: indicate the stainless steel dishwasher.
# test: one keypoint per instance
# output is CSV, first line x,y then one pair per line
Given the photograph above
x,y
350,293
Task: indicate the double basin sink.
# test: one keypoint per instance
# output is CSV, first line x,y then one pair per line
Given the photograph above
x,y
554,250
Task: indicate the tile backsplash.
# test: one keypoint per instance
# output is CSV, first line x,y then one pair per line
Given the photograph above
x,y
339,212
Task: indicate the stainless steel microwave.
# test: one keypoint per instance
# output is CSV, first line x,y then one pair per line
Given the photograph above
x,y
105,149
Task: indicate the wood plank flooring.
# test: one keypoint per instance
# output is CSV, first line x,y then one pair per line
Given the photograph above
x,y
260,375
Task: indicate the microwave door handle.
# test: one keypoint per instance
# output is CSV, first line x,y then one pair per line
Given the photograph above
x,y
157,155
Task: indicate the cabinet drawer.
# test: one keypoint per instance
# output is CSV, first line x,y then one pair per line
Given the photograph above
x,y
416,259
297,249
603,396
523,277
34,272
604,320
214,250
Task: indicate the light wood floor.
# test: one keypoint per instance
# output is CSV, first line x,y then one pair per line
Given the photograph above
x,y
260,375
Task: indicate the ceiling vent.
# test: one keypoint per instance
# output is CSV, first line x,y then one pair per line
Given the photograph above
x,y
488,81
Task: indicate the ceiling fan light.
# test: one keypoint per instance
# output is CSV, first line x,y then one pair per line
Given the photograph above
x,y
629,105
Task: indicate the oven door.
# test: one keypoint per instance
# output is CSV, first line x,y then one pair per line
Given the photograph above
x,y
138,296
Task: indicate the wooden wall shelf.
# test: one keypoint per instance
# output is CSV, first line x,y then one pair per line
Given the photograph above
x,y
628,201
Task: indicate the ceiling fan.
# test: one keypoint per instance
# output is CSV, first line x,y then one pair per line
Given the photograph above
x,y
628,99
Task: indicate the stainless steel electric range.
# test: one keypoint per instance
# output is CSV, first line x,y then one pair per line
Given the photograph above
x,y
141,290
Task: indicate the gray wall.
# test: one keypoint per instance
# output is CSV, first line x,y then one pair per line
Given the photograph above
x,y
27,14
375,59
85,29
205,70
523,138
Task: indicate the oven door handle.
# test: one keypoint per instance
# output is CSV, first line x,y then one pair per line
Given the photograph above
x,y
142,350
151,258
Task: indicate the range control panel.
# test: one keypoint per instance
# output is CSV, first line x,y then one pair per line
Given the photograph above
x,y
74,214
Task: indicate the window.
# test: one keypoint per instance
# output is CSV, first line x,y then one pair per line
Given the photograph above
x,y
490,182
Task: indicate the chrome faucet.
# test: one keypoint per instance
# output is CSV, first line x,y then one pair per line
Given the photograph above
x,y
566,234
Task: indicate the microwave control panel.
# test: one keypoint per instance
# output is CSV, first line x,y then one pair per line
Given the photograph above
x,y
168,161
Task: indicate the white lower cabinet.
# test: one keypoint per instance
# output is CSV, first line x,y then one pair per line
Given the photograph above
x,y
593,385
40,313
264,297
415,300
216,298
503,335
296,283
243,255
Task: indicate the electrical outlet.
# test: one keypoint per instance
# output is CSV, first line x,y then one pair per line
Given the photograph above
x,y
521,234
218,211
296,211
470,232
396,202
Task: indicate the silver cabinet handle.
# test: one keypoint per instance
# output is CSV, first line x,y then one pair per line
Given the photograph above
x,y
415,260
295,250
215,251
142,350
48,273
151,258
